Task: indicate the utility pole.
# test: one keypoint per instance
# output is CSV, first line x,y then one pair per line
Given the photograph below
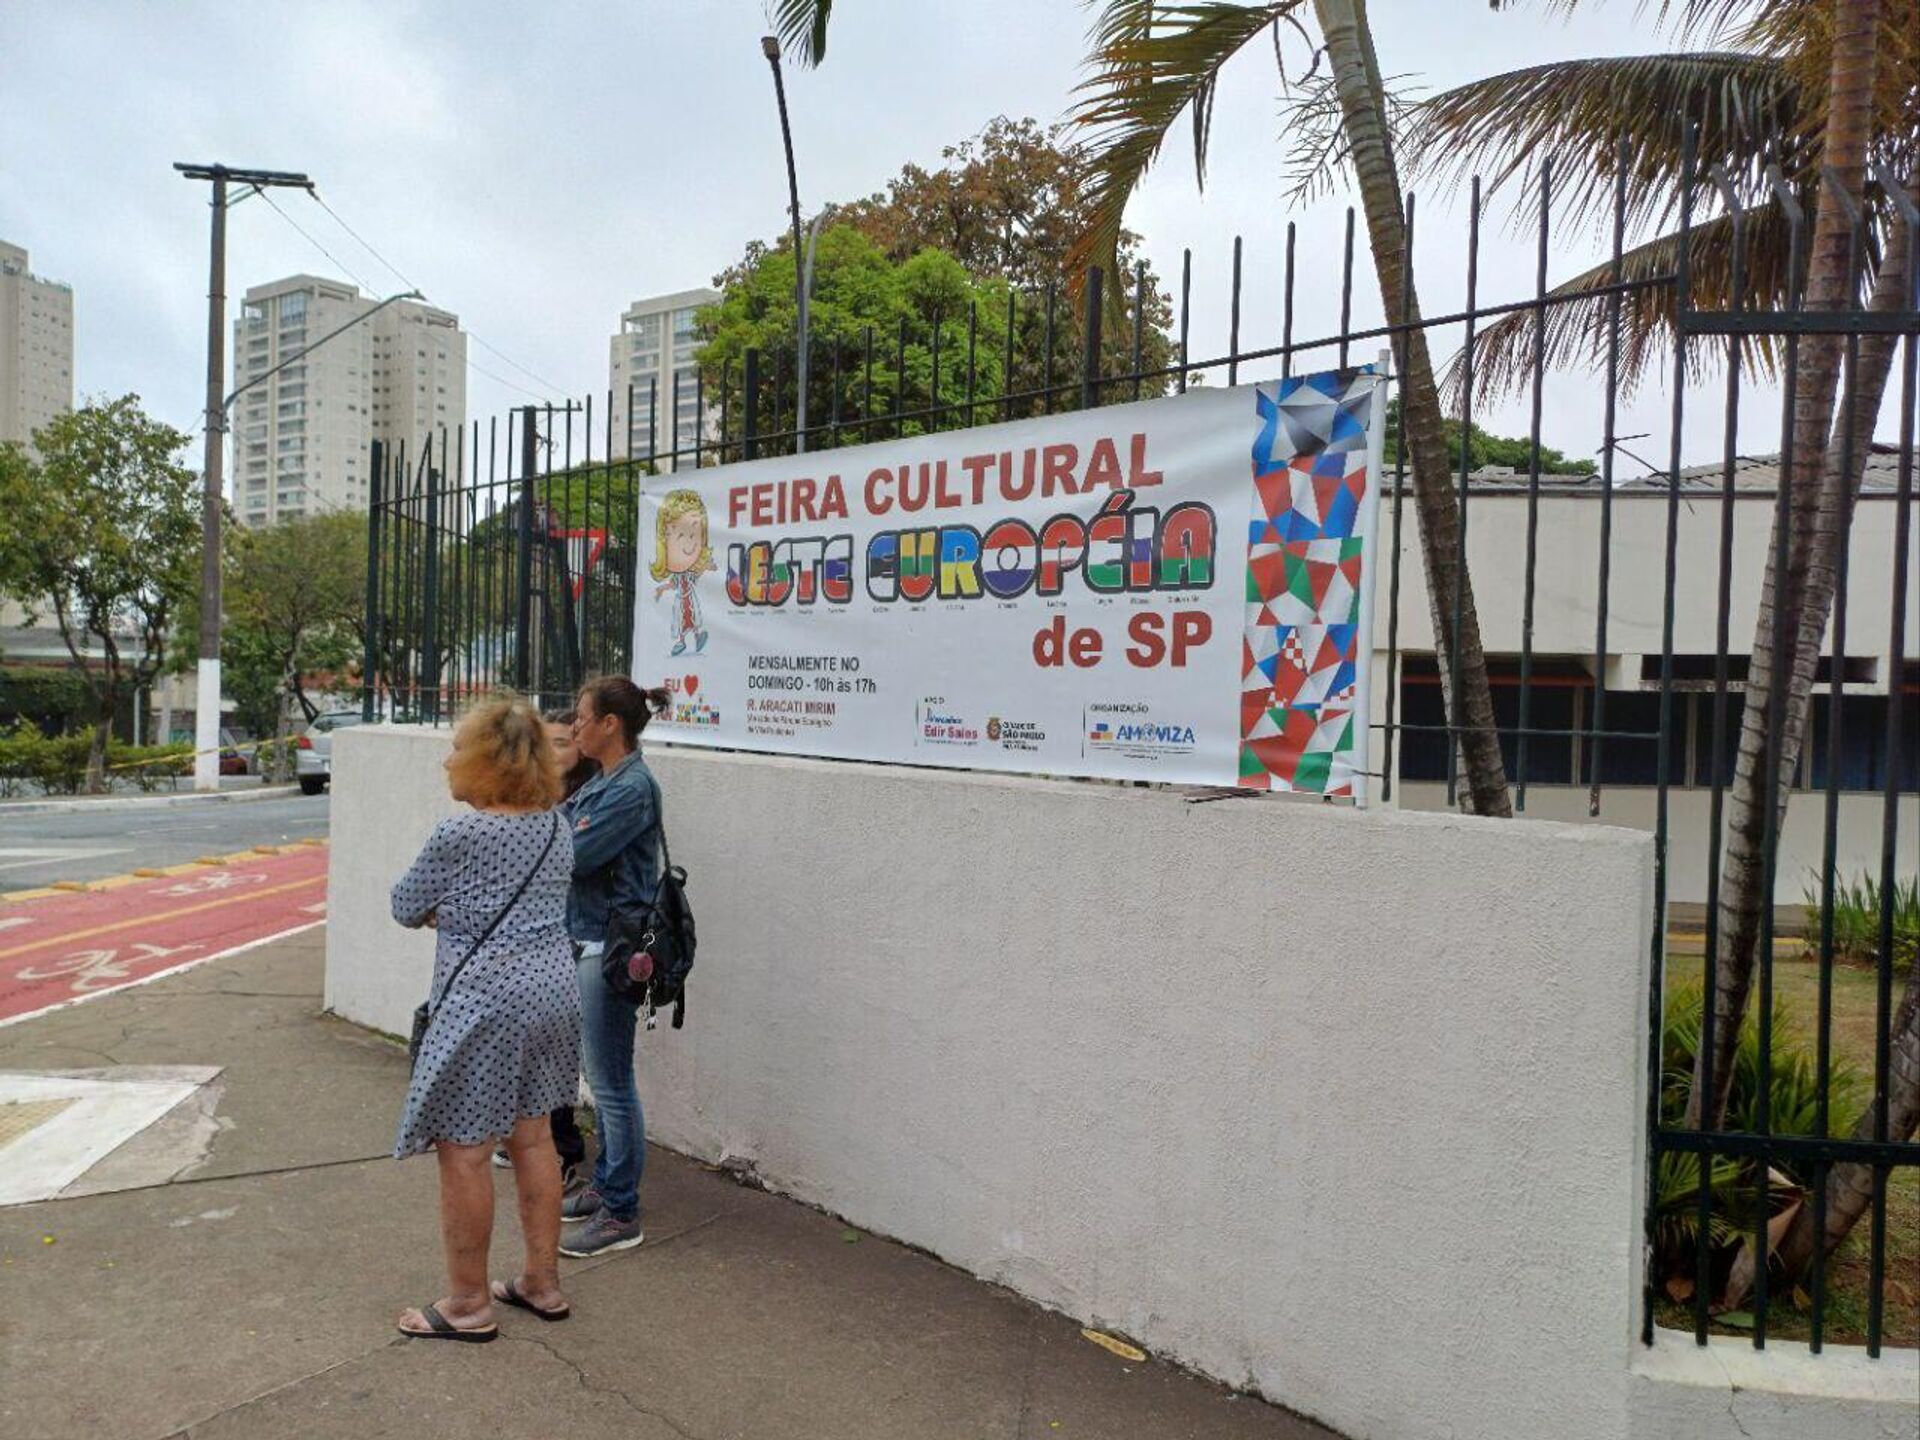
x,y
206,733
802,267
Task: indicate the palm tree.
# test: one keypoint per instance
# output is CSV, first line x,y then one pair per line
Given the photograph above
x,y
1823,93
1152,64
1155,62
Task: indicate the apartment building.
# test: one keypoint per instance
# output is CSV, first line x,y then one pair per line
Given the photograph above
x,y
36,347
302,436
656,343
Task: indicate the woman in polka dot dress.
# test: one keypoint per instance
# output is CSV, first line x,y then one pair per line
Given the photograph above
x,y
503,1047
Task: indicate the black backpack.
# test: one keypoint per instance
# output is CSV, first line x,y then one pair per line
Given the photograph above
x,y
650,950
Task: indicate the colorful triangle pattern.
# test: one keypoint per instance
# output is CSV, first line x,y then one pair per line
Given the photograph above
x,y
1303,647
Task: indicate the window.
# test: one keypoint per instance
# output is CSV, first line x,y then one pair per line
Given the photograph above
x,y
1630,751
293,308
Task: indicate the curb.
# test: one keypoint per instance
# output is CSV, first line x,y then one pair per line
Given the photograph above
x,y
147,872
139,802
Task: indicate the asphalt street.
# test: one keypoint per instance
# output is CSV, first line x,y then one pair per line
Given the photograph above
x,y
39,849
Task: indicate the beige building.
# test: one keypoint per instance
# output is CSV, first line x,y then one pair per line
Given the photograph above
x,y
302,437
1569,691
656,343
36,347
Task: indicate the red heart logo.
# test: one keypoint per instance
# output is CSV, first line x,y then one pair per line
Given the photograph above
x,y
690,685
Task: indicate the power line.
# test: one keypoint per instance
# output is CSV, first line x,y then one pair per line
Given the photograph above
x,y
369,247
473,364
556,389
363,242
335,259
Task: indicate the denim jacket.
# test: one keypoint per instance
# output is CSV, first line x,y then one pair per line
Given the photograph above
x,y
616,846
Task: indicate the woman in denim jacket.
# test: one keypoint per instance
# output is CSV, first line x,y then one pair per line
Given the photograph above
x,y
615,819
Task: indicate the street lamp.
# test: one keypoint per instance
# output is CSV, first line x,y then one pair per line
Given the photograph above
x,y
307,350
802,263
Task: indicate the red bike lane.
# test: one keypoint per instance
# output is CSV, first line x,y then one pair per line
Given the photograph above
x,y
61,948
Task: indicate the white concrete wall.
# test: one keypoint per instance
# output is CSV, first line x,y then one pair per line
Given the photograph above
x,y
1341,1107
1802,839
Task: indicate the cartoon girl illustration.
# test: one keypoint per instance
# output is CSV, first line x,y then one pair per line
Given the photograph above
x,y
681,556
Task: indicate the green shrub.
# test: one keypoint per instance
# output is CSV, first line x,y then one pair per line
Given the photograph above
x,y
1739,1195
57,764
149,766
1856,919
53,697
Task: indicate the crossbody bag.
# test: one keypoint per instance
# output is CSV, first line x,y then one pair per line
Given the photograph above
x,y
424,1012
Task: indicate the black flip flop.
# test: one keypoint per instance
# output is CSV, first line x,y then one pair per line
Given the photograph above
x,y
507,1293
445,1329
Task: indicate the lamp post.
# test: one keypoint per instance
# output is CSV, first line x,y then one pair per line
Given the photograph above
x,y
802,263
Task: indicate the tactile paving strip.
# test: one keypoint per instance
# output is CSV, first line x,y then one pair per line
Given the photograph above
x,y
19,1118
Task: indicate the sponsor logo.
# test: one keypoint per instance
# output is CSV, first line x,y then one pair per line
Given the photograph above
x,y
938,723
1134,731
683,708
1022,735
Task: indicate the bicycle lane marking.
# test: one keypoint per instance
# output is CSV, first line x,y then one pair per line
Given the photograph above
x,y
58,950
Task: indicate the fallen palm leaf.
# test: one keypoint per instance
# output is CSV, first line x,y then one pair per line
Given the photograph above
x,y
1114,1344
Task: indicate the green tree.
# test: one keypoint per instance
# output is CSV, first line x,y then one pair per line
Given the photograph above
x,y
103,534
1484,449
1009,203
295,607
929,299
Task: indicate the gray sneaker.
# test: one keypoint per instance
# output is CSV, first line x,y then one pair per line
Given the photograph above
x,y
581,1205
602,1235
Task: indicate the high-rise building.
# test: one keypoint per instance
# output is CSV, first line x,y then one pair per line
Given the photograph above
x,y
36,347
302,437
656,343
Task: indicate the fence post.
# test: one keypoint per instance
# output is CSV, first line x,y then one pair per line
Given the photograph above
x,y
1090,353
430,604
370,626
523,599
750,396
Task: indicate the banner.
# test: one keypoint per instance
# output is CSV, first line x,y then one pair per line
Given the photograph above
x,y
1174,590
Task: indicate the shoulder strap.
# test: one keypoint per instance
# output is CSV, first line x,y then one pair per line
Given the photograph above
x,y
494,924
659,817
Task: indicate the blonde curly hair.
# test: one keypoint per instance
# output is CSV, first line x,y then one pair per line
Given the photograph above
x,y
502,757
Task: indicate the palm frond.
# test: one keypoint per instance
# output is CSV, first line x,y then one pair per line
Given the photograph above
x,y
1748,109
1315,131
1150,63
1577,328
1687,17
802,28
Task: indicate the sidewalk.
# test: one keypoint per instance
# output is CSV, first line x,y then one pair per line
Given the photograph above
x,y
254,1294
234,789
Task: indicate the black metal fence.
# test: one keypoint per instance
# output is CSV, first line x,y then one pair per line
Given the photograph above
x,y
506,555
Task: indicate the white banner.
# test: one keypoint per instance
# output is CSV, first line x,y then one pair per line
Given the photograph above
x,y
1174,590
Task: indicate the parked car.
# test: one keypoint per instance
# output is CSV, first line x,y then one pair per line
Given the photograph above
x,y
313,750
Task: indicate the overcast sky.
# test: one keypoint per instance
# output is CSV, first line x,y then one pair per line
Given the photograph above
x,y
536,168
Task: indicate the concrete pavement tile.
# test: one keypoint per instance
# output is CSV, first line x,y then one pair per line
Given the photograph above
x,y
417,1388
261,1304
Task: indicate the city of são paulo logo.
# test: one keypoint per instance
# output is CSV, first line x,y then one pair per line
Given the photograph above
x,y
938,723
1023,735
1134,730
686,706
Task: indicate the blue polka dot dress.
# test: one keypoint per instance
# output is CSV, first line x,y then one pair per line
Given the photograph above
x,y
505,1040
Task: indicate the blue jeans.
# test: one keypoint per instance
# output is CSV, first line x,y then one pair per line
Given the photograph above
x,y
607,1026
